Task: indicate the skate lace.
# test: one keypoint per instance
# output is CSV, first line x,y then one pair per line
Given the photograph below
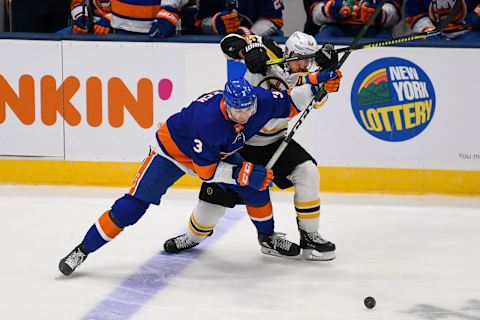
x,y
183,242
75,258
316,238
279,241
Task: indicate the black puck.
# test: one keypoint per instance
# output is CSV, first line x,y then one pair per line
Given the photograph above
x,y
369,302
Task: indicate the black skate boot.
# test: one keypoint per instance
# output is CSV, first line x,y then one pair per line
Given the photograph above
x,y
276,245
73,260
315,247
178,244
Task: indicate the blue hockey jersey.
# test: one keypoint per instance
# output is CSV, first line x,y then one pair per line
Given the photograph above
x,y
201,135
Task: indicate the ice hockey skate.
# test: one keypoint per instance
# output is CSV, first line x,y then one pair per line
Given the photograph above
x,y
178,244
314,247
73,260
276,245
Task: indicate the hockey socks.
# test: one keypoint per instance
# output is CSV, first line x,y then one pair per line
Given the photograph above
x,y
262,218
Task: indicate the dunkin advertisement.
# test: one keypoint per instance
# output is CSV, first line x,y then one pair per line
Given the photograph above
x,y
102,101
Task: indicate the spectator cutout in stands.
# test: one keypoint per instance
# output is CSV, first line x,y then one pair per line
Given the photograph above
x,y
425,15
345,18
156,18
260,17
91,17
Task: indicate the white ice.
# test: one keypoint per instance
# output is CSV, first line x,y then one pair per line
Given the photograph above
x,y
418,256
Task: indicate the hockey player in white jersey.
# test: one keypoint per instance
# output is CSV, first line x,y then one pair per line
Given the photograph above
x,y
296,167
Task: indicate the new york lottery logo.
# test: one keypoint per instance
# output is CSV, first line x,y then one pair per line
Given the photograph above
x,y
393,99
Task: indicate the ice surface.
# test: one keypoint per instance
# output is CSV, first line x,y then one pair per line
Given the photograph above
x,y
417,255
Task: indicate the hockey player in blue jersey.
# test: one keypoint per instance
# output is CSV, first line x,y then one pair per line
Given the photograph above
x,y
295,167
199,140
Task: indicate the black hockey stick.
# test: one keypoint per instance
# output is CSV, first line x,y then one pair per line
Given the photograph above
x,y
321,92
383,43
87,4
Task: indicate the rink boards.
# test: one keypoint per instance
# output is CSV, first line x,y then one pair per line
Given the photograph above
x,y
79,112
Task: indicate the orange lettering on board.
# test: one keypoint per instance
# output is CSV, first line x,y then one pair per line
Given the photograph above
x,y
23,104
94,101
119,97
58,100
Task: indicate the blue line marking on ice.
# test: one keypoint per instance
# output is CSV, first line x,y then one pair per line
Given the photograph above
x,y
133,293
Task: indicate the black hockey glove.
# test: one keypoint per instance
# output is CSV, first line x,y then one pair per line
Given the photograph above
x,y
256,58
326,56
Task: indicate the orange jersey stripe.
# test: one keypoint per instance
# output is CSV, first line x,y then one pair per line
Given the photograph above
x,y
140,172
293,111
411,20
260,212
75,3
223,107
278,22
109,228
205,172
135,11
166,139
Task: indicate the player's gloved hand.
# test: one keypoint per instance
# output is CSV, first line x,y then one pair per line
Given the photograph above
x,y
333,9
318,77
253,175
256,58
226,22
326,56
165,23
333,84
366,10
102,26
81,24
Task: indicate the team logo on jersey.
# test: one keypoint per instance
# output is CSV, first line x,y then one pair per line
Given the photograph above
x,y
273,84
393,99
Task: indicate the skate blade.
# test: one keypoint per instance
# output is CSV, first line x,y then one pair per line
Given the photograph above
x,y
314,255
271,252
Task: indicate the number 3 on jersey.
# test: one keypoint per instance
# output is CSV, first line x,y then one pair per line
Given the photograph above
x,y
198,148
277,95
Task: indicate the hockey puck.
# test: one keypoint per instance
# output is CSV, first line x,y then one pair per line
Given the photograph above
x,y
369,302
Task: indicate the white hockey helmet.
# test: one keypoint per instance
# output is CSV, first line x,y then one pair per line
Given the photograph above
x,y
300,43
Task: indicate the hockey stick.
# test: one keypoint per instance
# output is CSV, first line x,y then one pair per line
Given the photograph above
x,y
383,43
89,12
321,92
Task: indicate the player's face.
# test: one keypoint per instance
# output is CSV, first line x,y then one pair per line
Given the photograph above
x,y
299,65
242,115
